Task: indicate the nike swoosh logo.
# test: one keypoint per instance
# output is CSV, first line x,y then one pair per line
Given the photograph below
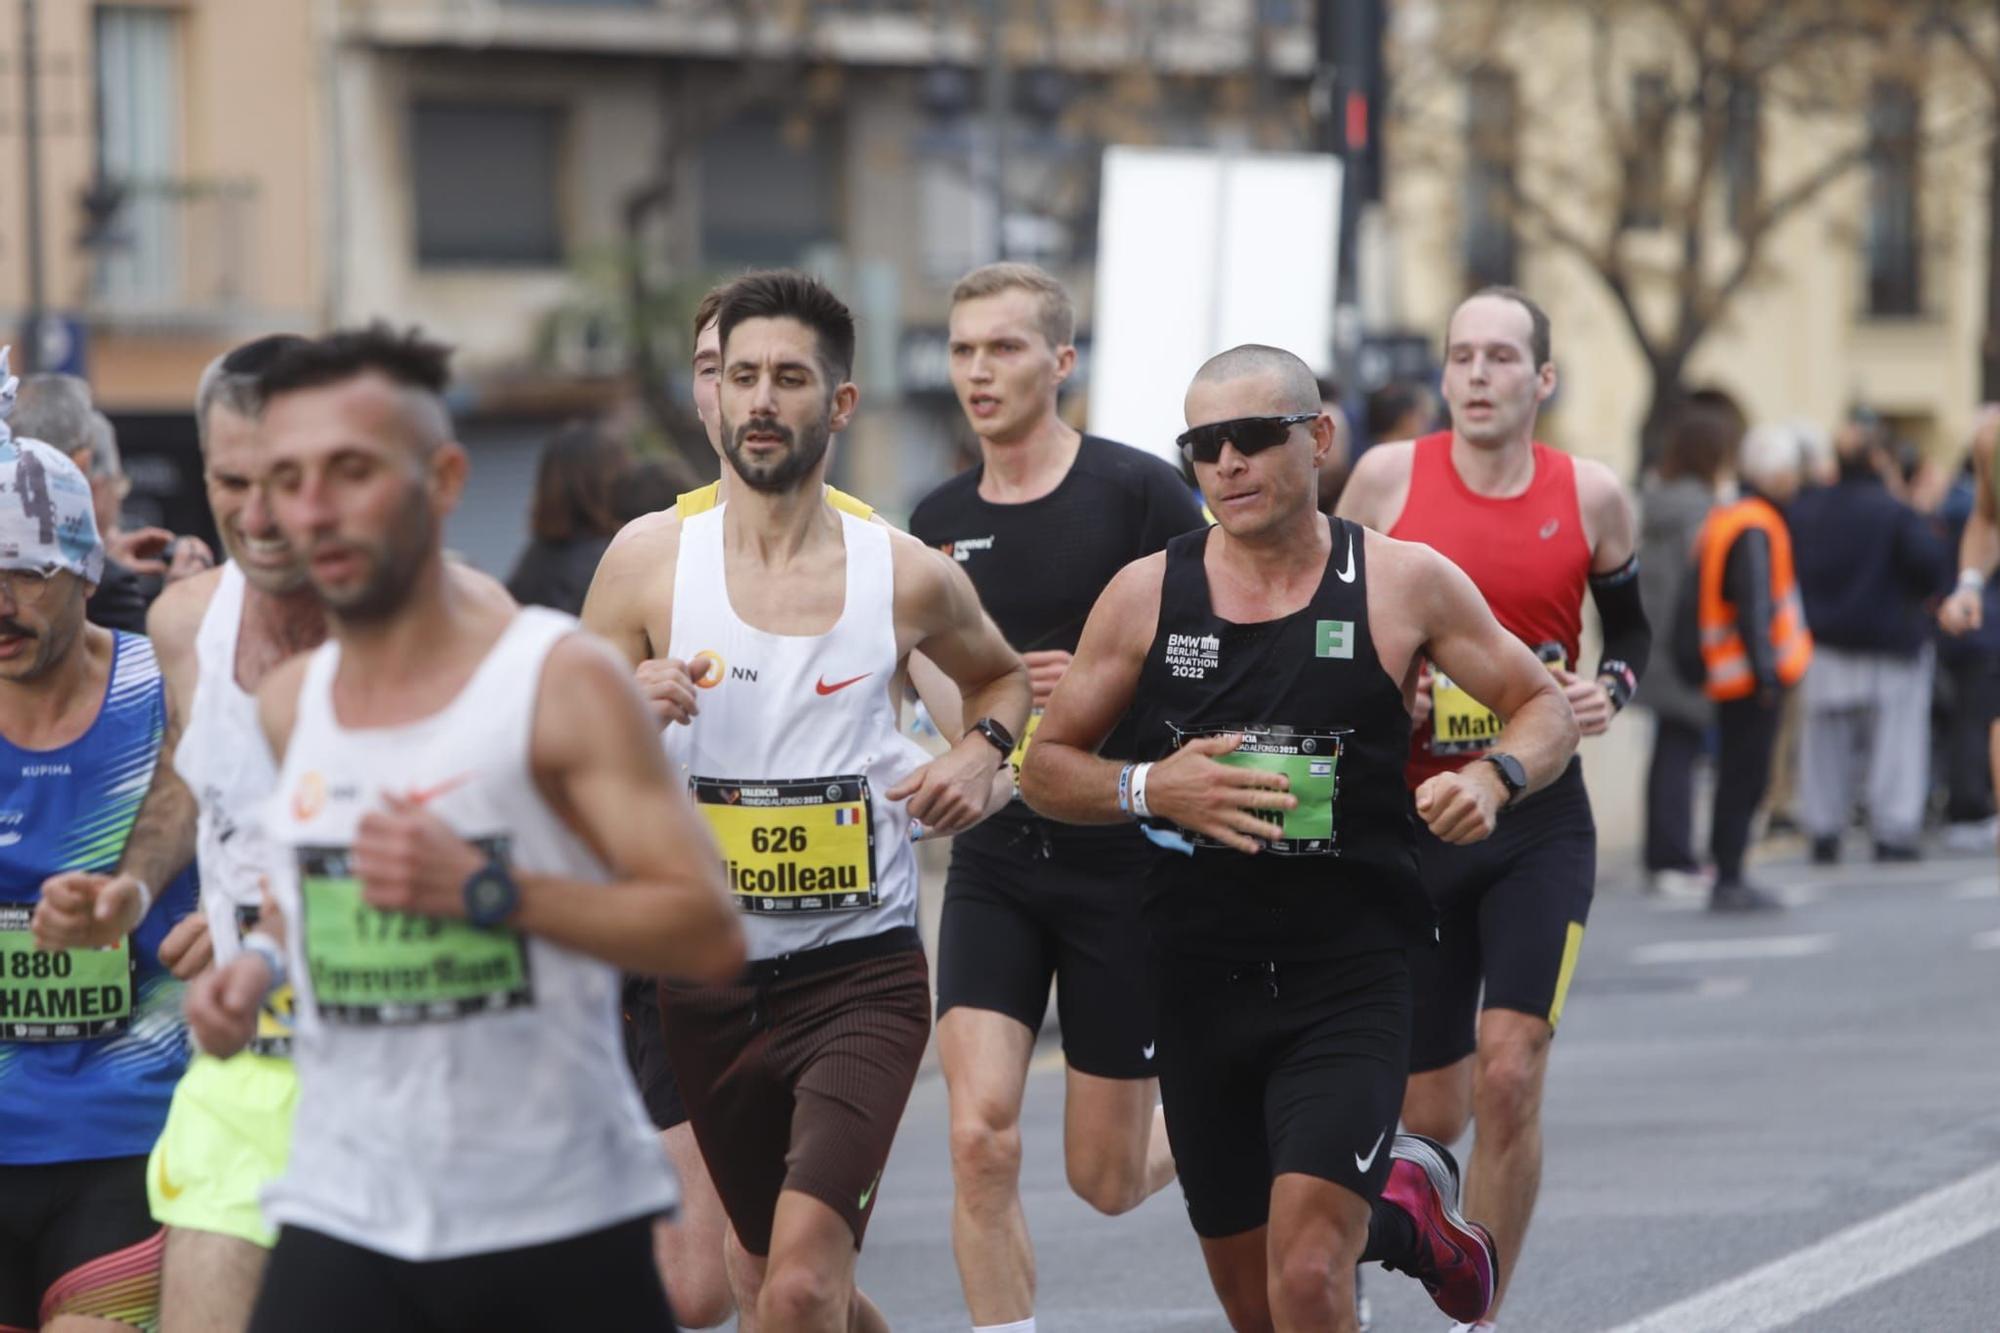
x,y
1361,1163
869,1193
1347,576
1148,1048
425,795
168,1189
825,689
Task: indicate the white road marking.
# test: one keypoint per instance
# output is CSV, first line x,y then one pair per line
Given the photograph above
x,y
1987,886
1732,950
1988,939
1847,1262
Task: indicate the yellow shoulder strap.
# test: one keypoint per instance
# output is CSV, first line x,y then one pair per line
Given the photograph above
x,y
691,503
840,499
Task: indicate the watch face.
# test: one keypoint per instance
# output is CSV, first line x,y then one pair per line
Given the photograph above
x,y
491,897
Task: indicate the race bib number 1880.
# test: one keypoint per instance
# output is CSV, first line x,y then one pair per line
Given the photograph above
x,y
59,995
374,967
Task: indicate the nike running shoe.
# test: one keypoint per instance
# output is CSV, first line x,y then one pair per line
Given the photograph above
x,y
1454,1258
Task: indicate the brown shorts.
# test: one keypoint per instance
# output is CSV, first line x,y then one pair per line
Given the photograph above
x,y
795,1076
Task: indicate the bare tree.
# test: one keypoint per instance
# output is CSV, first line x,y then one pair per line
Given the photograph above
x,y
1642,122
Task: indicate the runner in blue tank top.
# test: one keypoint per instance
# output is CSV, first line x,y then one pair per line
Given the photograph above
x,y
91,1039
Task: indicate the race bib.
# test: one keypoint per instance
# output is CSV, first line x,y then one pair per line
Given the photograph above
x,y
67,995
374,967
1020,755
1311,760
274,1020
804,846
1460,724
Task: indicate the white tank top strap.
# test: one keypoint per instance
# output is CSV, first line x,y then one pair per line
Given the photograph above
x,y
519,653
215,640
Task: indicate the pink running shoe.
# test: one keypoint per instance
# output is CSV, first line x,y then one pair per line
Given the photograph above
x,y
1454,1258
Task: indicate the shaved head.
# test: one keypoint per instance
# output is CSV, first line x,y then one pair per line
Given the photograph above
x,y
1294,389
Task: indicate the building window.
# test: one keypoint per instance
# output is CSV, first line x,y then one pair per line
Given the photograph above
x,y
487,180
1894,268
138,155
1646,170
768,191
1743,154
1491,110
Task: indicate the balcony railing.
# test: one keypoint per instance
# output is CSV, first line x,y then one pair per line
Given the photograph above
x,y
166,249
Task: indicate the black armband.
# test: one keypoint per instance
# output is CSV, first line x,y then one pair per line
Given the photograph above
x,y
1628,636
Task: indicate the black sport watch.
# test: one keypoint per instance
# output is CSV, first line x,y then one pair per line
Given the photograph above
x,y
491,895
1512,775
997,736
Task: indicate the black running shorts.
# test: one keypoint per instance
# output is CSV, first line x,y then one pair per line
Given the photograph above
x,y
1511,913
1275,1068
601,1279
646,1052
1023,910
78,1238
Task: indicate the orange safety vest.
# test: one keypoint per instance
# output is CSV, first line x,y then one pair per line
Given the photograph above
x,y
1722,650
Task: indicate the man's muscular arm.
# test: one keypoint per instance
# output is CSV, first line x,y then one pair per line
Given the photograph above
x,y
79,909
1979,546
1379,486
1612,530
939,615
1063,777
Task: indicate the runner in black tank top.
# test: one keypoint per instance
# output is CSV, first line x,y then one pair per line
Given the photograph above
x,y
1040,525
1263,671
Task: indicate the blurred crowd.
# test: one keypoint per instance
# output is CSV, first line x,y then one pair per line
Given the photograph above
x,y
1809,676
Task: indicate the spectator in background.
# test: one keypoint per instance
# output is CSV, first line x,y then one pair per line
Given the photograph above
x,y
1339,459
648,485
574,517
1672,505
57,410
1867,565
1401,410
1754,647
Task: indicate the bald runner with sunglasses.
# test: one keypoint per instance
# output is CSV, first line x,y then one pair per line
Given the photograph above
x,y
1245,698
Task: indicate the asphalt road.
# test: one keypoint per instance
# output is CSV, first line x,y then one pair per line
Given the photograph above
x,y
1789,1122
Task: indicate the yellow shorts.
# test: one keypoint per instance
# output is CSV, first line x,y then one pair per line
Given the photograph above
x,y
228,1134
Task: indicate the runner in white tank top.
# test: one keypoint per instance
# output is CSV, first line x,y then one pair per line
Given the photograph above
x,y
458,785
784,627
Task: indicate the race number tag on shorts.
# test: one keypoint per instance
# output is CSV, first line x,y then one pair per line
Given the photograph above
x,y
274,1020
1460,724
374,967
1311,760
803,846
66,995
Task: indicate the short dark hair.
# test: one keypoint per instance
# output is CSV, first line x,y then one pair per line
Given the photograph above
x,y
789,294
406,358
576,484
1391,403
1702,439
231,379
1541,334
708,309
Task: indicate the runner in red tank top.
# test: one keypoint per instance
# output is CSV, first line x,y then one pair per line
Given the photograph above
x,y
1533,528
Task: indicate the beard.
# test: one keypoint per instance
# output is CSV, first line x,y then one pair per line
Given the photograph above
x,y
803,452
393,564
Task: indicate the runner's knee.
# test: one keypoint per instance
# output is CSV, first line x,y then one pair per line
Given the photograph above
x,y
1510,1087
1111,1182
796,1295
985,1145
1306,1281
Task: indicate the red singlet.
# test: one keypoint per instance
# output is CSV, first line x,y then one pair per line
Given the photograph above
x,y
1530,559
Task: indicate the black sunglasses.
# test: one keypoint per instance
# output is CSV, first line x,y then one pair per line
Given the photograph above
x,y
1250,435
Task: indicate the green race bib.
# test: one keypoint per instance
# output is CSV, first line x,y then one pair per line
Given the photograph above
x,y
374,967
1312,761
68,995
